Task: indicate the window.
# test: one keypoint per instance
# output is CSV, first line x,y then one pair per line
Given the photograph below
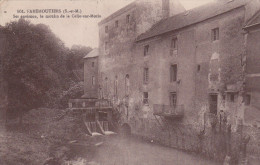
x,y
93,64
106,29
106,87
145,98
215,34
174,43
128,18
173,73
247,99
127,84
232,97
213,103
198,68
173,99
93,80
106,45
115,87
146,75
146,50
116,23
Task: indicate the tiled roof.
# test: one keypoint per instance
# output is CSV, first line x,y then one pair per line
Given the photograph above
x,y
93,53
192,16
117,13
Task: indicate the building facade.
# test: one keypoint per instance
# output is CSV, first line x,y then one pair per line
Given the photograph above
x,y
252,70
117,34
177,75
91,85
252,80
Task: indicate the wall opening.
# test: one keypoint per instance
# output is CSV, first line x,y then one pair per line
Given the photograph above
x,y
116,87
125,130
127,85
145,98
213,103
173,73
146,75
247,99
128,18
93,80
146,50
173,99
198,68
215,34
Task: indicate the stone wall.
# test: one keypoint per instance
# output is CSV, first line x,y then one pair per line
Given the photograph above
x,y
193,85
252,111
117,48
195,49
212,143
91,77
205,67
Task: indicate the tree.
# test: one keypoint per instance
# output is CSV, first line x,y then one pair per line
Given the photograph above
x,y
75,57
34,66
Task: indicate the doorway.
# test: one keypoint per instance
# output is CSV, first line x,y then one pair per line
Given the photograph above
x,y
213,103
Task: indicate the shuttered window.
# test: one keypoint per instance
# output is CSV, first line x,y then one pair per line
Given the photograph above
x,y
146,75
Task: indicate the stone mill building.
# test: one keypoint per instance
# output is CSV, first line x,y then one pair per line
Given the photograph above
x,y
176,74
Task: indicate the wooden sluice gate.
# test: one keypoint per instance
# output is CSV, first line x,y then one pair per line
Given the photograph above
x,y
96,115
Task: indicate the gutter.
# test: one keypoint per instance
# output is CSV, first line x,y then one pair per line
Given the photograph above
x,y
246,27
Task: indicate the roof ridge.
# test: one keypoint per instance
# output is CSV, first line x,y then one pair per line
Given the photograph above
x,y
114,14
194,16
93,53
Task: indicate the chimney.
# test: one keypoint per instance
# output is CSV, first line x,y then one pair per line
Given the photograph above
x,y
171,8
165,8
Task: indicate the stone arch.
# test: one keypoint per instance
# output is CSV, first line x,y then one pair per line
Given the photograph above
x,y
125,129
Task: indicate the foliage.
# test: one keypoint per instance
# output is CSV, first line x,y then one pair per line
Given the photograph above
x,y
75,55
75,91
34,65
231,59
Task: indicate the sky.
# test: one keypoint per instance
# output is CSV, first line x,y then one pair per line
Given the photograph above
x,y
73,31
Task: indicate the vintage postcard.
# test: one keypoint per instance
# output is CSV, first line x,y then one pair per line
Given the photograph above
x,y
129,82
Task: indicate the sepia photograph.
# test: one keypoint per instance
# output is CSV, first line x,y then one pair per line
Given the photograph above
x,y
130,82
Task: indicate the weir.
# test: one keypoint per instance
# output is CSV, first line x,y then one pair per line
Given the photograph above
x,y
96,115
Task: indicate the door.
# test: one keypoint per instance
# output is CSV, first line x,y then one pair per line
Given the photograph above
x,y
213,103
